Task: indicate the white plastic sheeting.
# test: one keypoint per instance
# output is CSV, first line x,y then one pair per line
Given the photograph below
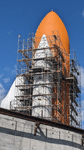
x,y
42,104
10,97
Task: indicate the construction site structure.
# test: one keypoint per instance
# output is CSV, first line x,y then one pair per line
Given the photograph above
x,y
43,106
49,84
75,91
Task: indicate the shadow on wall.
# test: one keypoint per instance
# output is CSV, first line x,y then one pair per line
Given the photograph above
x,y
40,137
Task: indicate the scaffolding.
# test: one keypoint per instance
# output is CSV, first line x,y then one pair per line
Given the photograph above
x,y
75,91
48,84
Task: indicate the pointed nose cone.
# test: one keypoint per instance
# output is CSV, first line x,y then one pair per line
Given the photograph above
x,y
52,22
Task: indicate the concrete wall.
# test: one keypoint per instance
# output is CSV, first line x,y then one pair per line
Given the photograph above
x,y
18,134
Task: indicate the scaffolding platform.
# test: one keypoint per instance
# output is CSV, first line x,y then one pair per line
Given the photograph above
x,y
50,78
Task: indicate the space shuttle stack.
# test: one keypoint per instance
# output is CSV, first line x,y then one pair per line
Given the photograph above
x,y
41,105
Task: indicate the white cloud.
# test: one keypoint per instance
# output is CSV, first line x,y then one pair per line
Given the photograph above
x,y
82,91
7,68
82,113
83,13
14,70
6,80
2,92
82,103
82,80
82,77
82,117
10,32
1,75
1,88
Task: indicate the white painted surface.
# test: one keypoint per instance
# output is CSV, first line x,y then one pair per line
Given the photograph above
x,y
45,101
10,97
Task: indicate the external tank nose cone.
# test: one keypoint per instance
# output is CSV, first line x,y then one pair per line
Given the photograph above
x,y
52,22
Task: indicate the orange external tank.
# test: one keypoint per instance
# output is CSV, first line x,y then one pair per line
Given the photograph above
x,y
52,25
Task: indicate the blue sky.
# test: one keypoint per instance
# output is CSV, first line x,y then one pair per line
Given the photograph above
x,y
23,17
